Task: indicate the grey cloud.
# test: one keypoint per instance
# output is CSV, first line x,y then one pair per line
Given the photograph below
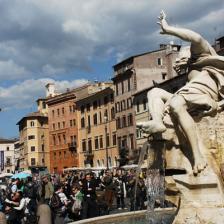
x,y
24,94
48,37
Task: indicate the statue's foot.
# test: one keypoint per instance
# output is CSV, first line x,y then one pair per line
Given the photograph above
x,y
151,127
200,165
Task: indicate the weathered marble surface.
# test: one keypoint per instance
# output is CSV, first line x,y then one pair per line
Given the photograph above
x,y
198,215
211,130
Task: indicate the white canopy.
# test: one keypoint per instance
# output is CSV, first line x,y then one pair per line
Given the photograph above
x,y
3,175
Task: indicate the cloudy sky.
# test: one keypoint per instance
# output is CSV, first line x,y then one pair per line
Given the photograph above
x,y
73,41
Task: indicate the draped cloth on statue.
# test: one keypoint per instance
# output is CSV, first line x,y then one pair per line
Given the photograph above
x,y
218,75
213,64
207,85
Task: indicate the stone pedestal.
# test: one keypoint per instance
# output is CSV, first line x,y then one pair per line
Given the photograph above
x,y
202,198
203,190
200,215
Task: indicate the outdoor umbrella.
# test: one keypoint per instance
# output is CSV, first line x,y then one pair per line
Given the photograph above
x,y
21,175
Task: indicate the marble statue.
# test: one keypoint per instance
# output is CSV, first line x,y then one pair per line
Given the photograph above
x,y
202,96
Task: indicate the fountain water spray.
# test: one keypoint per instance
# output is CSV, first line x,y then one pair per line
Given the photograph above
x,y
155,177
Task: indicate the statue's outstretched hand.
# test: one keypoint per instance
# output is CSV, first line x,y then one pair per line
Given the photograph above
x,y
162,22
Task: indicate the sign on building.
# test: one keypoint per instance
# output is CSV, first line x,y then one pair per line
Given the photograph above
x,y
2,160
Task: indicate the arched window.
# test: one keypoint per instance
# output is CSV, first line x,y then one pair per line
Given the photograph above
x,y
32,123
112,113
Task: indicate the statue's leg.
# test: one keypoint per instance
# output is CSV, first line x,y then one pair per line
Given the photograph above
x,y
156,103
202,148
178,108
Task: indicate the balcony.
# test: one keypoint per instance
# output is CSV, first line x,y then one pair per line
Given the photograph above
x,y
72,146
8,164
89,154
88,158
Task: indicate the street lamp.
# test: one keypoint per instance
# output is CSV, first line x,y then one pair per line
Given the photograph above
x,y
107,161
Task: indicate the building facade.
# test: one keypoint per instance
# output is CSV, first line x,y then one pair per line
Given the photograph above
x,y
7,155
132,75
34,144
62,132
97,129
219,46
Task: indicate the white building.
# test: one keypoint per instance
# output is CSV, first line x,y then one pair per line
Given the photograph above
x,y
7,155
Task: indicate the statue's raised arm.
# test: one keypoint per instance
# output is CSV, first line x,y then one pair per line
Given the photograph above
x,y
198,44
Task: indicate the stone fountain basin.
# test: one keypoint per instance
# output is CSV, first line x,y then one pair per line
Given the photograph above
x,y
136,217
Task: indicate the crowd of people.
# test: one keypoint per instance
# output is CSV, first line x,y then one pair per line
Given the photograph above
x,y
74,195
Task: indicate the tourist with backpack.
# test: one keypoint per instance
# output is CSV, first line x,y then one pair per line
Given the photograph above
x,y
76,204
58,204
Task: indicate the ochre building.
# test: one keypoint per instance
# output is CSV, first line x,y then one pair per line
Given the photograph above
x,y
97,129
33,142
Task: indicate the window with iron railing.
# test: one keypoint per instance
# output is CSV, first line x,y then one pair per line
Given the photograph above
x,y
101,141
33,161
130,120
31,137
84,145
108,140
96,143
82,122
112,113
89,145
118,123
95,119
114,139
124,124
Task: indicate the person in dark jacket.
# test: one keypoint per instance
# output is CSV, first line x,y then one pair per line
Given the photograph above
x,y
31,192
109,185
141,195
89,197
120,189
